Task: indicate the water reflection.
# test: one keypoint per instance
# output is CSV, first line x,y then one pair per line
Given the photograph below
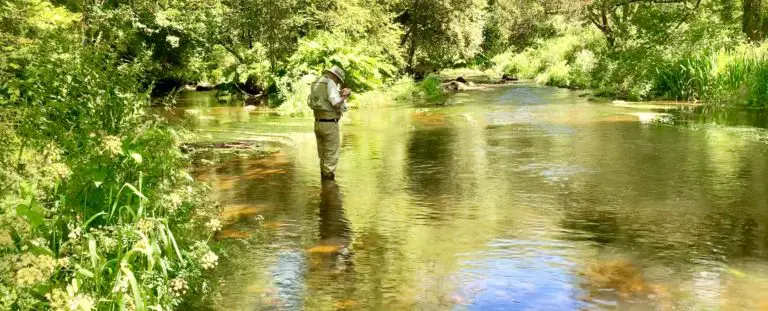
x,y
429,153
330,259
510,198
334,230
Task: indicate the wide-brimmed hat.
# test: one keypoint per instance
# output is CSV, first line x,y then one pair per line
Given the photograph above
x,y
336,71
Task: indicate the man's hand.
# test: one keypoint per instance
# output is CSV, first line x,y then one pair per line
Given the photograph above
x,y
345,93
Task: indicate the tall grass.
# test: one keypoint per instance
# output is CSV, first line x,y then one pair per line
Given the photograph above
x,y
737,76
578,59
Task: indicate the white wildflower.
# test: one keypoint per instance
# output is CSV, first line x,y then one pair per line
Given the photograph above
x,y
39,242
145,225
141,244
33,270
209,260
74,232
5,239
214,225
178,287
69,301
80,302
63,262
173,201
60,170
129,305
29,276
112,145
121,286
110,244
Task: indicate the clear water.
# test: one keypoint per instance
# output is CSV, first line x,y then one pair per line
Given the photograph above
x,y
512,198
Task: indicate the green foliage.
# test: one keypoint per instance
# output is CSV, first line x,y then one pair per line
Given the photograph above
x,y
514,25
316,53
96,209
171,33
441,33
565,61
401,90
735,76
696,53
431,86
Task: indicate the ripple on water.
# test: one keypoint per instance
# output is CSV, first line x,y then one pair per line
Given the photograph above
x,y
522,275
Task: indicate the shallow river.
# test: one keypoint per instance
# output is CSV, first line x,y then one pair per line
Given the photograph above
x,y
511,198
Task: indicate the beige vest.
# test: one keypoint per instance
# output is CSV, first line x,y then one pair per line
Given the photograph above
x,y
319,102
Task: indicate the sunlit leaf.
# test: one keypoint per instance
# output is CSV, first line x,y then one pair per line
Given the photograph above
x,y
33,216
136,157
135,191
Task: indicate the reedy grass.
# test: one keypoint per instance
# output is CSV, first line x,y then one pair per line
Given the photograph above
x,y
729,77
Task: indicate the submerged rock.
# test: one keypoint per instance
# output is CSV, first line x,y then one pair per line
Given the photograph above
x,y
623,278
232,234
324,249
234,213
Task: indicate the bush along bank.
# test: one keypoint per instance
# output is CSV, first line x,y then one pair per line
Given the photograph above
x,y
721,70
97,211
400,90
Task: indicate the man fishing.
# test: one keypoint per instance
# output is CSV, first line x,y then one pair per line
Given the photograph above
x,y
328,102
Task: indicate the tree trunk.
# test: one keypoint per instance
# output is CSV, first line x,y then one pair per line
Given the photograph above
x,y
751,22
601,21
411,53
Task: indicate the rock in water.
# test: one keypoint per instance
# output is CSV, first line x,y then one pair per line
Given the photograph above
x,y
507,77
204,86
454,86
461,79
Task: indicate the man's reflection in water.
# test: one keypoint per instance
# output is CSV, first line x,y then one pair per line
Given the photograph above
x,y
334,226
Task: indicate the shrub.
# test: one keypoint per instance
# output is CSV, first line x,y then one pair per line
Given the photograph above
x,y
96,208
583,68
431,86
556,75
550,61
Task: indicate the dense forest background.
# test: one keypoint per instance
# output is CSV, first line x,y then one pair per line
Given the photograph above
x,y
640,48
96,208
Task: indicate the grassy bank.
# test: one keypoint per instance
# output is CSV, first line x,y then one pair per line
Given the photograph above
x,y
722,71
97,210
